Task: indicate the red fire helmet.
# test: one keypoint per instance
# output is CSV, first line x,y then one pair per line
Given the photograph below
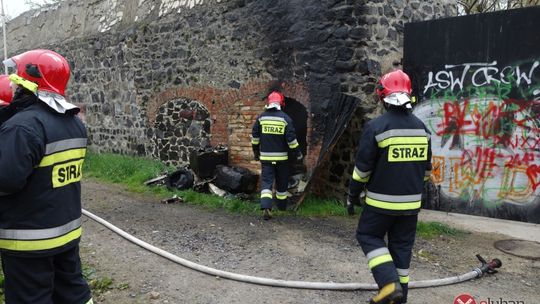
x,y
276,97
48,69
394,82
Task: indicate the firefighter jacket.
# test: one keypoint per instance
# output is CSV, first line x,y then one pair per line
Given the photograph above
x,y
392,161
41,158
273,135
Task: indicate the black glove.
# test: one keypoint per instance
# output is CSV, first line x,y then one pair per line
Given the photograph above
x,y
256,152
299,155
351,201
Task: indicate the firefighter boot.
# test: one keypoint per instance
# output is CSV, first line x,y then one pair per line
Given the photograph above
x,y
267,214
389,294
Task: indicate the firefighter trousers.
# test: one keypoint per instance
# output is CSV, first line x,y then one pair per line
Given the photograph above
x,y
387,263
45,280
277,171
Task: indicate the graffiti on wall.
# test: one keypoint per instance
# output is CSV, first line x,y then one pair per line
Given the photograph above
x,y
485,123
477,79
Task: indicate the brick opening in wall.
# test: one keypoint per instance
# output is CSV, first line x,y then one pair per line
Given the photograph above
x,y
181,126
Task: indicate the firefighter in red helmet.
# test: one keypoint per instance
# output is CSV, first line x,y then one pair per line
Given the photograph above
x,y
43,148
392,162
272,137
6,94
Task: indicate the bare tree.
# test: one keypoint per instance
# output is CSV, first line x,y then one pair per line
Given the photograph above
x,y
467,7
33,4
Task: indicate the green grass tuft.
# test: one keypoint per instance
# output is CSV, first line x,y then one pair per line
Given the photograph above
x,y
120,169
429,230
313,206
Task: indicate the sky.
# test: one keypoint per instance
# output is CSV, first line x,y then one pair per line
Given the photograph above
x,y
14,8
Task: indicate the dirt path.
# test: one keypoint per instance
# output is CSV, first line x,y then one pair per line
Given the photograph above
x,y
291,248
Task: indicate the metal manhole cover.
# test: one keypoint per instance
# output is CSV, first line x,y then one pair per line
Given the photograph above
x,y
520,248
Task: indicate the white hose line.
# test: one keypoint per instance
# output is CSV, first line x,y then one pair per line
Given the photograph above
x,y
274,282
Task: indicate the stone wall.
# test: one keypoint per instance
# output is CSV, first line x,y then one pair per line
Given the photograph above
x,y
161,78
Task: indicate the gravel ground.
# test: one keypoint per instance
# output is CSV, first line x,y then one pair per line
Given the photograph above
x,y
288,247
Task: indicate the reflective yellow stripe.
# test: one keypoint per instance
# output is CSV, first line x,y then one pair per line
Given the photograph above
x,y
281,197
407,140
274,157
426,178
267,195
379,260
404,279
62,157
18,80
273,123
18,245
255,141
393,206
358,178
292,146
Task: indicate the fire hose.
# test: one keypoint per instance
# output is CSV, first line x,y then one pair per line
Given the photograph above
x,y
485,268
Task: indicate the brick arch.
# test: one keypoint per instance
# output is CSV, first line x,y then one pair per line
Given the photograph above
x,y
233,112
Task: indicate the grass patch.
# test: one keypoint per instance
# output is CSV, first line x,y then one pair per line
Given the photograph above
x,y
119,169
313,206
429,230
132,172
98,285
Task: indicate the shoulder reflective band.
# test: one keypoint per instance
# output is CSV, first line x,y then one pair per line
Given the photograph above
x,y
401,133
402,137
63,150
65,144
404,153
40,239
408,140
255,140
272,118
27,84
394,202
361,176
273,156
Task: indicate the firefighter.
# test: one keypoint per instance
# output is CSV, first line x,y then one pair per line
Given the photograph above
x,y
6,93
272,137
392,162
41,156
